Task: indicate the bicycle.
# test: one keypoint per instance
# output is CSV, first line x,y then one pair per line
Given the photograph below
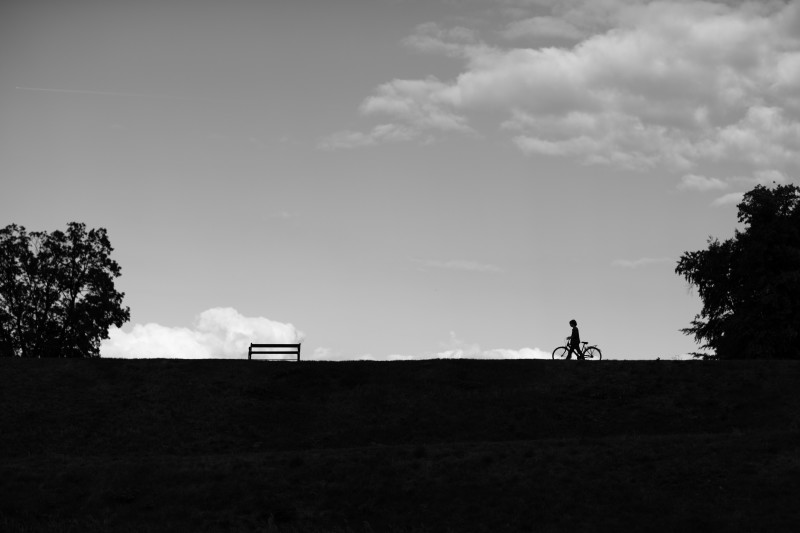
x,y
588,352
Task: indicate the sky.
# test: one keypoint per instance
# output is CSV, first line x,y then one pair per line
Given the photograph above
x,y
397,179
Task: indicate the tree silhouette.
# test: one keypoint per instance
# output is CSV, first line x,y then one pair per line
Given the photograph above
x,y
750,284
57,295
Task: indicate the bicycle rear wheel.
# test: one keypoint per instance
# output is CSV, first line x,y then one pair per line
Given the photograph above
x,y
560,352
593,353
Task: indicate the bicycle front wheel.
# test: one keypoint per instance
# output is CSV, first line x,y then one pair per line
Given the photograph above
x,y
560,352
593,352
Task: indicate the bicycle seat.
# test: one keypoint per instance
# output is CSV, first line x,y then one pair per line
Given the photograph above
x,y
584,342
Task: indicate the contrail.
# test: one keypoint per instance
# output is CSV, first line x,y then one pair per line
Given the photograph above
x,y
111,93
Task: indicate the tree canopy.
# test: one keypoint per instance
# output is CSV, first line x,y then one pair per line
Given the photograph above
x,y
750,284
57,294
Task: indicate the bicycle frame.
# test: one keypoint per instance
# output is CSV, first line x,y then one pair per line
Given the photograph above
x,y
584,350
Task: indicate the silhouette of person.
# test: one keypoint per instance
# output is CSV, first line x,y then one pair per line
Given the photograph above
x,y
575,341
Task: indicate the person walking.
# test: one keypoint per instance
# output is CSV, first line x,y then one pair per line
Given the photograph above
x,y
574,341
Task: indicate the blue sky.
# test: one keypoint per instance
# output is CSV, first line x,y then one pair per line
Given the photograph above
x,y
397,178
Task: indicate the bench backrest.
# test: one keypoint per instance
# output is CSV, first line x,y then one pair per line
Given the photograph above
x,y
274,349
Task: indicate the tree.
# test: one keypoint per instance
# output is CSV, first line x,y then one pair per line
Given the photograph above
x,y
750,284
57,295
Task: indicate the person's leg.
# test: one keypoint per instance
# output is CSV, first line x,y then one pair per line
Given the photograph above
x,y
569,354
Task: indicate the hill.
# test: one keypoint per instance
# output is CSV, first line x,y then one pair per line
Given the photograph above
x,y
443,445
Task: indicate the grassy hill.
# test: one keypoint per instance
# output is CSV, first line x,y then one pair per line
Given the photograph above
x,y
170,445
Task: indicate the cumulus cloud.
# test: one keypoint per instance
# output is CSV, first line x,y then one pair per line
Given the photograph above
x,y
432,38
381,133
542,27
733,198
453,348
494,353
456,348
421,104
217,333
701,183
641,84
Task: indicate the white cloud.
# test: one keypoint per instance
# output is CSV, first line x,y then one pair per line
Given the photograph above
x,y
456,348
767,136
495,353
542,27
423,104
644,261
696,182
221,332
432,38
733,198
700,183
379,134
453,348
601,138
761,177
649,84
336,356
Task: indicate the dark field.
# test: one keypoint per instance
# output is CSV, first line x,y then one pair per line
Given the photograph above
x,y
168,445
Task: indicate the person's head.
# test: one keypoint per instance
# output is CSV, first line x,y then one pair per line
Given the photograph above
x,y
573,323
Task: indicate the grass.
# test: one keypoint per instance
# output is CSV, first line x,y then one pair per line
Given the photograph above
x,y
168,445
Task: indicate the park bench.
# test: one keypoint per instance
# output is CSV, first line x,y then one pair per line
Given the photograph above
x,y
274,349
